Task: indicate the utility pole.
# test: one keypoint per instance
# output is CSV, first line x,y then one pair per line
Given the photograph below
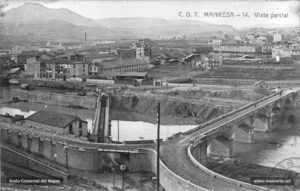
x,y
118,128
158,143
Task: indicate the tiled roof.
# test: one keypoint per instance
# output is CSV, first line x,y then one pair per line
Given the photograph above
x,y
121,62
52,118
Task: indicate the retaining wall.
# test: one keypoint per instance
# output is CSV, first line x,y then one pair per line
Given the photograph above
x,y
73,157
91,158
54,98
168,179
10,156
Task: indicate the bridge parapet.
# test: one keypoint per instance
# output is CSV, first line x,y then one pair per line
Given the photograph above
x,y
71,140
231,122
214,175
228,114
169,180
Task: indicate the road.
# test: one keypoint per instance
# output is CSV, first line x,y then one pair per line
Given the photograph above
x,y
174,153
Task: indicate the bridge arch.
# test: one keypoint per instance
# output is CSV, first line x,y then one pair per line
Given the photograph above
x,y
291,118
276,109
221,145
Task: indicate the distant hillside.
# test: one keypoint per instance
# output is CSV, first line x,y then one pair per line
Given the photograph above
x,y
150,27
33,11
60,29
38,20
141,22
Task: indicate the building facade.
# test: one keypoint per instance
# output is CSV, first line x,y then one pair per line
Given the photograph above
x,y
206,62
118,66
58,122
281,52
277,37
60,68
237,48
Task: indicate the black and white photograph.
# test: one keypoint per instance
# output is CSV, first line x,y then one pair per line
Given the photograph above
x,y
149,95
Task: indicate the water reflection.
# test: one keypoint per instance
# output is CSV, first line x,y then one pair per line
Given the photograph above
x,y
272,155
15,111
128,130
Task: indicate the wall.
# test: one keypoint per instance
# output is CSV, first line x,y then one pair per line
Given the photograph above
x,y
54,98
16,158
44,126
168,180
92,159
73,157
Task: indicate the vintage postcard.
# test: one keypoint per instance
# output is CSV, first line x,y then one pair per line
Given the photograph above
x,y
146,95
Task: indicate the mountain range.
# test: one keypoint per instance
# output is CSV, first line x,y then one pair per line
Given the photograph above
x,y
38,20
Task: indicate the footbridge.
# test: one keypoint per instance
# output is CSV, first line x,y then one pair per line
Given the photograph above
x,y
186,155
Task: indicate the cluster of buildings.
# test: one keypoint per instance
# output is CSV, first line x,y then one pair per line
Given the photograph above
x,y
84,65
259,44
283,43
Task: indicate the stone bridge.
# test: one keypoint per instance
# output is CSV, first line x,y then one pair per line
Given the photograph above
x,y
239,125
190,150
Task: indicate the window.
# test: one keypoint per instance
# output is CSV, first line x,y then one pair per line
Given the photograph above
x,y
71,129
80,129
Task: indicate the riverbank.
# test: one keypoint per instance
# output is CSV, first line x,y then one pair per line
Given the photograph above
x,y
243,171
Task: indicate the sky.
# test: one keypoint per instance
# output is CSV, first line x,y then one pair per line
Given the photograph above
x,y
284,11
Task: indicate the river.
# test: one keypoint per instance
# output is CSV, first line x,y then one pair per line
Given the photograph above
x,y
128,130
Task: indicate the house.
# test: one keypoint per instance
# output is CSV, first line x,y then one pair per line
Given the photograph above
x,y
62,69
277,37
207,62
58,122
118,66
281,52
32,65
217,42
175,61
237,48
203,49
135,78
260,87
125,53
192,59
211,61
267,48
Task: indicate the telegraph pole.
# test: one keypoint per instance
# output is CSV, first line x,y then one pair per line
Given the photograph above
x,y
158,143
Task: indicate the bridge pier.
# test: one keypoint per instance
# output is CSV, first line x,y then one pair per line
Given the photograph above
x,y
262,122
244,131
4,135
290,111
221,146
24,140
35,142
200,152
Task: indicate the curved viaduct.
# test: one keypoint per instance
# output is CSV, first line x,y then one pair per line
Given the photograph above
x,y
183,158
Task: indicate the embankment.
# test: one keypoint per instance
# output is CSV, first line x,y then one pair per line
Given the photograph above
x,y
174,108
87,102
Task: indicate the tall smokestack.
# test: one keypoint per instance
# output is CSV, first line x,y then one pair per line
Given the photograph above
x,y
84,37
